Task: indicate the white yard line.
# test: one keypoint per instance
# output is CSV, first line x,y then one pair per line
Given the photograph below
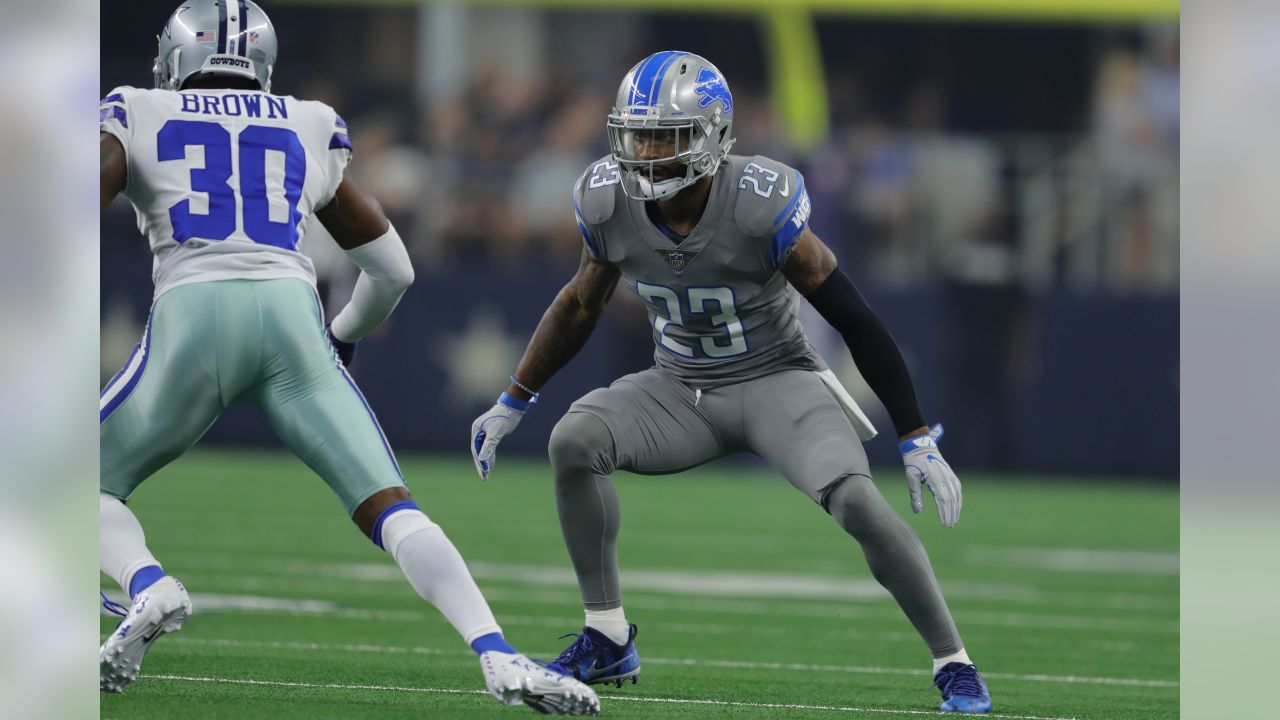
x,y
686,662
1127,562
324,608
607,698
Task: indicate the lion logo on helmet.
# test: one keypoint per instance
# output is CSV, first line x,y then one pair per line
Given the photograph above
x,y
711,88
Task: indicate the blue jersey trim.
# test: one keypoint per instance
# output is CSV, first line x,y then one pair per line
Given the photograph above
x,y
117,97
114,111
339,140
787,233
347,376
376,535
131,384
795,198
586,234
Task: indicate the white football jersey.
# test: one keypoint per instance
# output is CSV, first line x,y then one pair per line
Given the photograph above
x,y
223,180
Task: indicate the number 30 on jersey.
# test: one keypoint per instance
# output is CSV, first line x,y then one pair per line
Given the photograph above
x,y
214,181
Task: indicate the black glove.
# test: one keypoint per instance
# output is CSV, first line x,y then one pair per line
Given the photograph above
x,y
346,351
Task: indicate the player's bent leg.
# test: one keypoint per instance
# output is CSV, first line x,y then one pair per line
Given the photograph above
x,y
899,563
159,604
437,572
647,422
896,557
794,422
581,452
166,396
149,414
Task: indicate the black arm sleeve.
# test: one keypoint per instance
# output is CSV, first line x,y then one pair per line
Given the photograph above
x,y
872,347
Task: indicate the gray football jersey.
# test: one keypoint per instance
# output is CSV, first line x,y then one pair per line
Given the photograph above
x,y
720,308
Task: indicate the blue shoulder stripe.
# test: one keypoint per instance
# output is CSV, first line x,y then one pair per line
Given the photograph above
x,y
786,232
586,234
116,98
795,198
113,111
339,140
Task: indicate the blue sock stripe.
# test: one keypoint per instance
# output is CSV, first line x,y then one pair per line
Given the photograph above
x,y
376,536
490,642
144,578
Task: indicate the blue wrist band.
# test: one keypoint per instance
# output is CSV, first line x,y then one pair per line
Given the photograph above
x,y
516,403
907,446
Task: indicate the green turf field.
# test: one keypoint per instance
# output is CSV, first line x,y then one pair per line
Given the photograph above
x,y
751,602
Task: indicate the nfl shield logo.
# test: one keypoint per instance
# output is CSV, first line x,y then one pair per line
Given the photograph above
x,y
678,259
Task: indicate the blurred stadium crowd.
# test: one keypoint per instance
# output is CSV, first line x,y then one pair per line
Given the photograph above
x,y
1034,155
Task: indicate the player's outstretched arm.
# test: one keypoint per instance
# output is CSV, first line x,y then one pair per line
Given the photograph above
x,y
812,269
561,333
115,168
358,224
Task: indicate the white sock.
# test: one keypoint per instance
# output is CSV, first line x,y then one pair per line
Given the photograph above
x,y
959,656
436,570
613,623
122,546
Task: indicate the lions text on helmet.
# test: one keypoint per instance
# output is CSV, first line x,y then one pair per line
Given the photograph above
x,y
227,38
671,124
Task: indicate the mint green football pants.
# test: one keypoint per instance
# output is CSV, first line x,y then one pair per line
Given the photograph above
x,y
211,344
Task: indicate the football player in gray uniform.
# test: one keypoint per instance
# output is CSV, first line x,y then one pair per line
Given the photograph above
x,y
719,248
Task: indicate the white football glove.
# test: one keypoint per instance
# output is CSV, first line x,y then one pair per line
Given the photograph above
x,y
489,429
926,467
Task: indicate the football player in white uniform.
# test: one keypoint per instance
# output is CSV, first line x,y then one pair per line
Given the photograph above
x,y
223,175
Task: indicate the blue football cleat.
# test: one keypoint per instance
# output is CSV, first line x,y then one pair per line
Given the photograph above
x,y
963,690
593,658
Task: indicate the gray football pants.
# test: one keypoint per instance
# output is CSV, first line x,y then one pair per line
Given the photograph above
x,y
651,423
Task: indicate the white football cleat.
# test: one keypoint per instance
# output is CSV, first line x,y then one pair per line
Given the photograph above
x,y
161,608
515,679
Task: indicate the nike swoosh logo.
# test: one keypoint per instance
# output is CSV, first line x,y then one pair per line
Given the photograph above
x,y
786,187
595,669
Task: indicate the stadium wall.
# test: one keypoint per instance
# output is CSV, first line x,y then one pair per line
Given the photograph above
x,y
1067,384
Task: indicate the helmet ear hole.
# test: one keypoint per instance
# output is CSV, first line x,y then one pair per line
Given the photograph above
x,y
723,130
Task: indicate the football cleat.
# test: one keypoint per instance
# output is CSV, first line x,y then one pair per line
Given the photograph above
x,y
514,679
963,690
161,608
594,658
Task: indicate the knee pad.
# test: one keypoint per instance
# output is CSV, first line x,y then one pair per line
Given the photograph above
x,y
581,440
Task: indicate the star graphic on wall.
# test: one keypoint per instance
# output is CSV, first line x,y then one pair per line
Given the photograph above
x,y
478,361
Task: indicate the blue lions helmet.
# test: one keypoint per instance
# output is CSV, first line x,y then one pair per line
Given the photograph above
x,y
671,124
232,38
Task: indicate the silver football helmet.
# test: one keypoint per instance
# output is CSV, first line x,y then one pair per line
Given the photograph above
x,y
673,109
216,37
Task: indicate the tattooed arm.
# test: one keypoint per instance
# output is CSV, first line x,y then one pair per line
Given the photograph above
x,y
566,325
